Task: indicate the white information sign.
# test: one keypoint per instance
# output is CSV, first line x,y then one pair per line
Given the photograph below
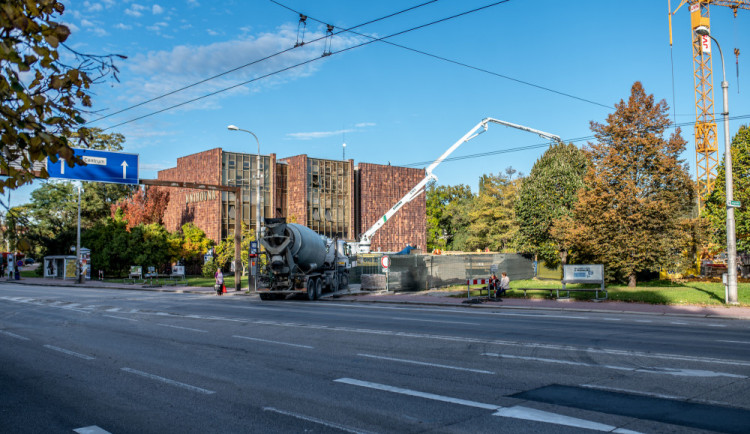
x,y
583,273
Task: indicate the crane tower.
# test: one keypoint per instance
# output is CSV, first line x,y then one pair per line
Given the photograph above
x,y
706,148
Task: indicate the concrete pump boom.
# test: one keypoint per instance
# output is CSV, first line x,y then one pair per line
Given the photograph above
x,y
366,238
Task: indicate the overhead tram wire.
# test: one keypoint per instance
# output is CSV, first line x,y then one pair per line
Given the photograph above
x,y
455,62
270,56
304,63
540,145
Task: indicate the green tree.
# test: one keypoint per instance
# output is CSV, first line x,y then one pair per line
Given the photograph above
x,y
114,248
492,215
547,194
715,210
443,216
43,97
224,251
109,241
633,212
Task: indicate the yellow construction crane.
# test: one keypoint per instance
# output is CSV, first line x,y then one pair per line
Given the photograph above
x,y
706,149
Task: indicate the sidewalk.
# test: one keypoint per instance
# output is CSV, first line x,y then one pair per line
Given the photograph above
x,y
436,298
443,298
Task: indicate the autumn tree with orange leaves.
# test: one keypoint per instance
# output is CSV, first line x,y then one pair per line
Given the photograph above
x,y
142,207
633,214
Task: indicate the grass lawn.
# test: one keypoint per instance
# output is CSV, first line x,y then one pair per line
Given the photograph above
x,y
199,281
704,293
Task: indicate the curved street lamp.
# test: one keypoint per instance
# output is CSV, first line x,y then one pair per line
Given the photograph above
x,y
257,195
731,288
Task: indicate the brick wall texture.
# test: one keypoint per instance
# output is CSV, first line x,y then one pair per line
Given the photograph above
x,y
381,187
203,208
296,209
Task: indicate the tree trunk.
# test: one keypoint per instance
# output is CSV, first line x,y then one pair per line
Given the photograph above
x,y
631,281
563,262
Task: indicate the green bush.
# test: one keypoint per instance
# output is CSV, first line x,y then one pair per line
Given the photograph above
x,y
209,268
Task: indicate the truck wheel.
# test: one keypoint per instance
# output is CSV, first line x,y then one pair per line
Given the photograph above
x,y
311,284
264,296
318,288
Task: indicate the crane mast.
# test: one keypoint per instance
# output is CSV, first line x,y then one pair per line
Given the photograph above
x,y
363,246
706,142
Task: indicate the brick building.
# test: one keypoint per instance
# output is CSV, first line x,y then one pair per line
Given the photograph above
x,y
332,197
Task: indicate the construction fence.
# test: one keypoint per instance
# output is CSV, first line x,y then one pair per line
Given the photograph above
x,y
425,271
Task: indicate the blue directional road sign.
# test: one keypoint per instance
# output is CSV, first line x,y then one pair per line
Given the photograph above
x,y
101,166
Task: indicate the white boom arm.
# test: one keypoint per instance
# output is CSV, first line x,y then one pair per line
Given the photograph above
x,y
366,238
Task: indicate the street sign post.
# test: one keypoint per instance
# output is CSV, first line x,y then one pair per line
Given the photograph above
x,y
101,166
385,263
734,204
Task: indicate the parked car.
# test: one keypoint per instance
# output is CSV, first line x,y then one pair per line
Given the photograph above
x,y
28,261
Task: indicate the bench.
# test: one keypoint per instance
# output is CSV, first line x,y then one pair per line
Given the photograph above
x,y
135,275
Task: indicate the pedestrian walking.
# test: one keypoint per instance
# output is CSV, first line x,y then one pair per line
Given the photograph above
x,y
219,282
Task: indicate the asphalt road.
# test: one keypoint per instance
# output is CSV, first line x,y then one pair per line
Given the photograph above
x,y
96,360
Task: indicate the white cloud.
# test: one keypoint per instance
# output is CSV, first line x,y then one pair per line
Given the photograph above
x,y
193,3
156,9
364,124
122,26
317,134
135,10
87,23
212,32
73,28
98,31
159,72
93,7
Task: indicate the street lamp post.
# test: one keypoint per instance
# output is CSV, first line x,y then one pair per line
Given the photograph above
x,y
79,267
731,289
257,196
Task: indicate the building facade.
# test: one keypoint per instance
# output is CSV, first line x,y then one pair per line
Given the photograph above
x,y
332,197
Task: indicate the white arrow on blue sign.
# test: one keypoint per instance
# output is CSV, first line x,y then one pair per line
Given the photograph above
x,y
101,166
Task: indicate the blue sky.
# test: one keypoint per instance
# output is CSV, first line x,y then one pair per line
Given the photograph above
x,y
390,104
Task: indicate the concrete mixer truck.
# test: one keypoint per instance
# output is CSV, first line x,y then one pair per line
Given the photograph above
x,y
300,261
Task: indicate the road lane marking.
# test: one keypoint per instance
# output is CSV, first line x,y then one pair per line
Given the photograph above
x,y
519,344
435,320
526,413
13,335
315,420
611,319
716,325
183,328
168,381
648,370
93,429
121,317
272,342
734,342
678,322
644,320
70,353
434,365
516,412
409,392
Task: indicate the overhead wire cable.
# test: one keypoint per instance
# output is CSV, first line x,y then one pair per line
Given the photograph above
x,y
305,63
466,65
254,62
